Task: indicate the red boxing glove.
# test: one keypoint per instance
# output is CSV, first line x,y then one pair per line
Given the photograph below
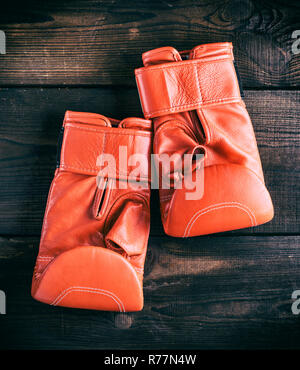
x,y
96,225
194,100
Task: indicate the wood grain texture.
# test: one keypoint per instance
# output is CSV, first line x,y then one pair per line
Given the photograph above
x,y
63,42
224,291
206,293
31,118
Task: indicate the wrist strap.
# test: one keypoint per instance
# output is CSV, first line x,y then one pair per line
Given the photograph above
x,y
187,85
129,149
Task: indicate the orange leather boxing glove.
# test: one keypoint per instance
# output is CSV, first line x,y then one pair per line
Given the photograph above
x,y
195,102
96,224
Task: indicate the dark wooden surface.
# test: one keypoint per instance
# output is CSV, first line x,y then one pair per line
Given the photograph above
x,y
222,291
100,42
209,293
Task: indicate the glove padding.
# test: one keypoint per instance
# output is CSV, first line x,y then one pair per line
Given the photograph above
x,y
194,100
96,225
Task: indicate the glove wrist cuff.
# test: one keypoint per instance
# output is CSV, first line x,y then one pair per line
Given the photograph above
x,y
88,148
186,85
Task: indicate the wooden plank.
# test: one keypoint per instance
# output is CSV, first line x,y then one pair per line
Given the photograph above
x,y
101,42
200,293
31,118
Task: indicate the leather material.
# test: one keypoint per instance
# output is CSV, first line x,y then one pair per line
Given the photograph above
x,y
194,100
186,85
95,231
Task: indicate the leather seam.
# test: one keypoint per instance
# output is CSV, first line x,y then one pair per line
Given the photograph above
x,y
218,206
196,105
198,83
185,63
108,293
108,131
94,171
217,165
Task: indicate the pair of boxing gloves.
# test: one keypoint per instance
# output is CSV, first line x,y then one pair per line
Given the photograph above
x,y
97,219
